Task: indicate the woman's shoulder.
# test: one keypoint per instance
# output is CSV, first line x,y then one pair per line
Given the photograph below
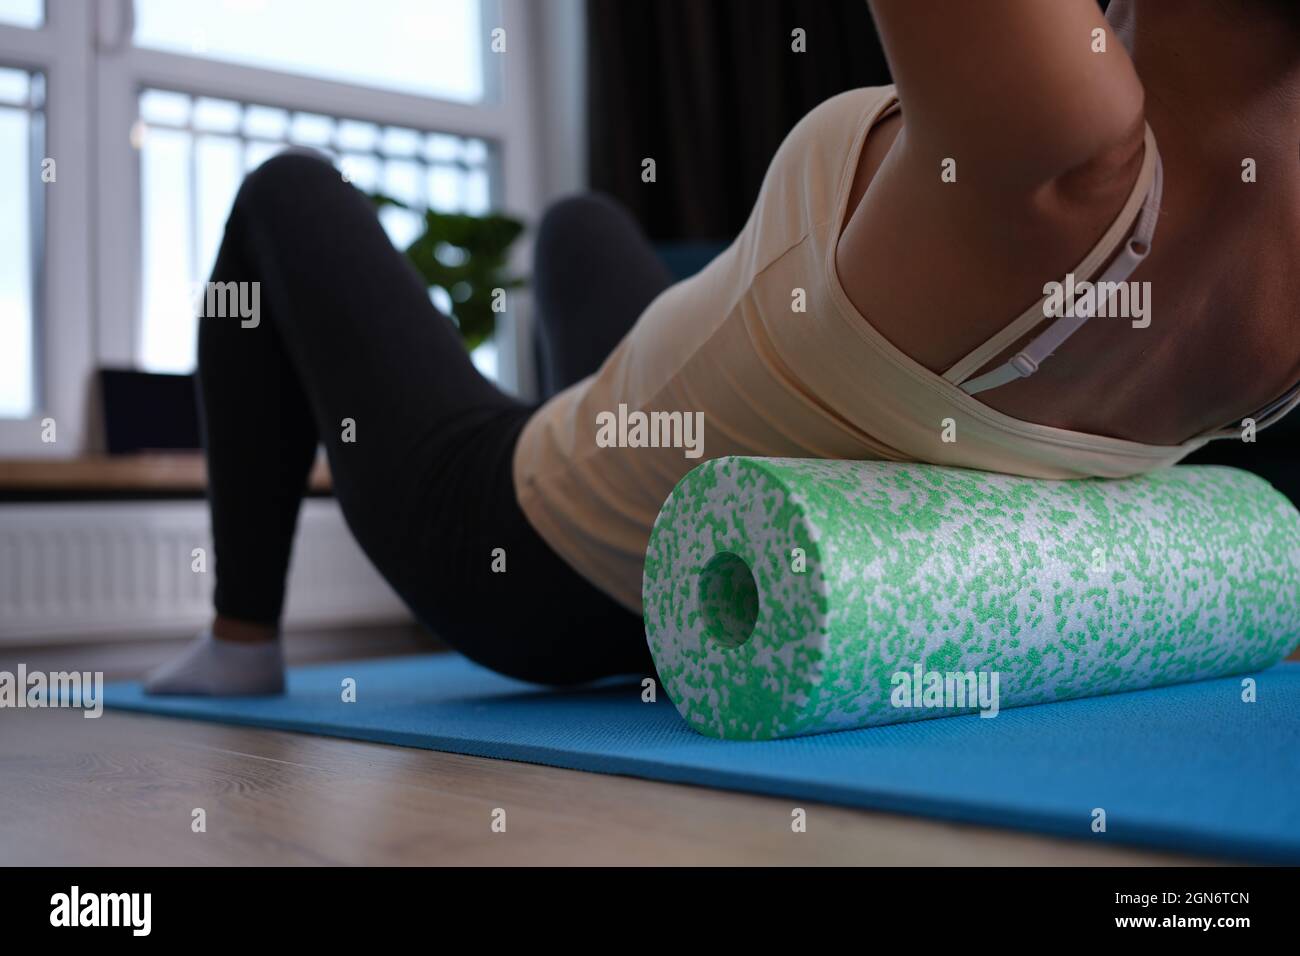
x,y
808,166
841,116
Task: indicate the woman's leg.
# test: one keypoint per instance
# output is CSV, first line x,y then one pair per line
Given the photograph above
x,y
349,349
594,274
260,440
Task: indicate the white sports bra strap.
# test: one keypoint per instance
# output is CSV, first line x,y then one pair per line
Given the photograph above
x,y
1026,362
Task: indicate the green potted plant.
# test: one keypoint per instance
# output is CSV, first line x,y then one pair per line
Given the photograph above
x,y
465,256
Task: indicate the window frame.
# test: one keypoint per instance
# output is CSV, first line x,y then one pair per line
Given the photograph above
x,y
88,297
63,326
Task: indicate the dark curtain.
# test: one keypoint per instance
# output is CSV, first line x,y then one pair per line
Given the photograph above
x,y
708,89
1273,455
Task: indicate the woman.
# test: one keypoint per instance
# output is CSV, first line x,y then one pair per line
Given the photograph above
x,y
868,310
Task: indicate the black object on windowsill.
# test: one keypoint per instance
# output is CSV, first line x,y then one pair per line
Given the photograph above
x,y
148,411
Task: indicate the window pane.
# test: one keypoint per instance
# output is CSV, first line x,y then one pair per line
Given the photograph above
x,y
426,47
20,160
194,151
22,13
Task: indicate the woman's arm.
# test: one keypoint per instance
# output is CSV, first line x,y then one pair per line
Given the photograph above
x,y
1013,90
1017,147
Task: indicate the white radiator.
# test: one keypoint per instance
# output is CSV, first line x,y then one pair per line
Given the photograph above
x,y
81,569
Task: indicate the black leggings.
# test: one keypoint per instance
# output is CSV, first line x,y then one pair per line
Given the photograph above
x,y
346,332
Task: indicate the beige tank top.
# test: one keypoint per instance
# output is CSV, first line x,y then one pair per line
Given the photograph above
x,y
766,345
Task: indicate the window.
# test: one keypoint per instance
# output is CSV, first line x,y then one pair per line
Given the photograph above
x,y
194,152
21,152
429,47
22,13
154,109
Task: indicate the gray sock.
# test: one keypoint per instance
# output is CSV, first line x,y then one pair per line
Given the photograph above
x,y
216,668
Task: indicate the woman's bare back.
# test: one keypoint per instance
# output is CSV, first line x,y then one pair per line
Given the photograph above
x,y
938,273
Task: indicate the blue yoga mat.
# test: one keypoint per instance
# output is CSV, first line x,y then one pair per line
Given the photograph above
x,y
1190,768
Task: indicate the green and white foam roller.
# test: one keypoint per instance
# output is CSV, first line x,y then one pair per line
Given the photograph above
x,y
782,596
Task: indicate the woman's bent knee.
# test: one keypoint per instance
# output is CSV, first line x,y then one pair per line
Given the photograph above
x,y
293,171
578,218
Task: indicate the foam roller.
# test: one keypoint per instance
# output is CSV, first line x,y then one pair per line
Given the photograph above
x,y
786,597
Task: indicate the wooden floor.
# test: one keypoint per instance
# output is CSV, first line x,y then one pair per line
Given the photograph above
x,y
121,789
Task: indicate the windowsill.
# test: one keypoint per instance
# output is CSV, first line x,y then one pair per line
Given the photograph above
x,y
151,475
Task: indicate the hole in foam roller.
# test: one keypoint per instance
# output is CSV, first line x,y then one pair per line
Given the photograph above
x,y
728,599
